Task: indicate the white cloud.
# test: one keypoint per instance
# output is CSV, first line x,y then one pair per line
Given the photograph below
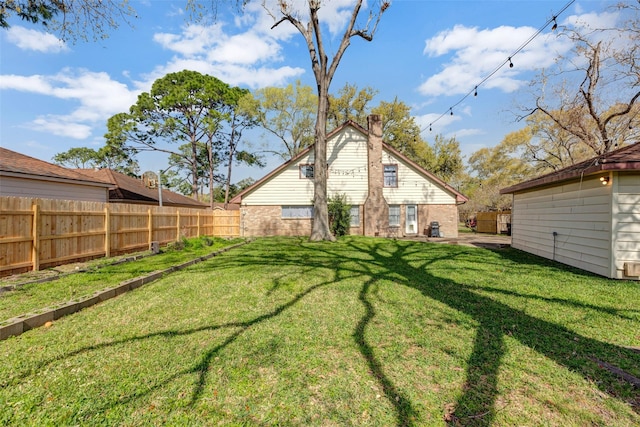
x,y
59,125
461,133
244,53
39,41
98,96
233,74
475,54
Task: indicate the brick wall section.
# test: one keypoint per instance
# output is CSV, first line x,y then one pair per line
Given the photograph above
x,y
259,221
376,209
446,215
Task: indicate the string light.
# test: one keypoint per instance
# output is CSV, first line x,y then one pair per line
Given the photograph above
x,y
507,61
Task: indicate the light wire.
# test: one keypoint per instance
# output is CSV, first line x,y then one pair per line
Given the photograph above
x,y
474,90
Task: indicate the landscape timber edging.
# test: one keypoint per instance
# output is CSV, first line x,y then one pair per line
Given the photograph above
x,y
14,286
20,324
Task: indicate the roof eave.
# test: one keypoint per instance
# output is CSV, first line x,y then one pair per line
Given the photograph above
x,y
50,178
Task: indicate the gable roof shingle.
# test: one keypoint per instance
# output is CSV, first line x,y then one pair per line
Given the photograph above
x,y
131,190
16,164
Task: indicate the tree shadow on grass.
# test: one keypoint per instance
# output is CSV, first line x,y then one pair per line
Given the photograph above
x,y
497,320
415,266
201,368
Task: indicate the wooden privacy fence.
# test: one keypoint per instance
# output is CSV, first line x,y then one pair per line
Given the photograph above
x,y
493,222
41,233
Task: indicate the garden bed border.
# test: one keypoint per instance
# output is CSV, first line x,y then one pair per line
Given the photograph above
x,y
20,324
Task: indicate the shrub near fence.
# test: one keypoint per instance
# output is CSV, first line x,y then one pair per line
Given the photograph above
x,y
41,233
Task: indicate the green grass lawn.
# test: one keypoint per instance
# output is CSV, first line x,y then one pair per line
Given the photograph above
x,y
359,332
99,275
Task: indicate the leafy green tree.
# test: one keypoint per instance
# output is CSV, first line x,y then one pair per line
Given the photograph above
x,y
401,132
495,168
119,159
105,157
77,157
288,114
447,162
239,118
350,104
197,112
219,192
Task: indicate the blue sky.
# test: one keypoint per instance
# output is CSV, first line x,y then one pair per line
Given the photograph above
x,y
428,54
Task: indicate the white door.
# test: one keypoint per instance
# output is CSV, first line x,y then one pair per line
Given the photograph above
x,y
411,219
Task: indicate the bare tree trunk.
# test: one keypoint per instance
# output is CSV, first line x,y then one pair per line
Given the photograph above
x,y
194,168
323,71
320,229
210,152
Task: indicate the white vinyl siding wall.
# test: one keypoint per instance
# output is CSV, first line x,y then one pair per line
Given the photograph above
x,y
580,214
347,174
20,187
413,188
626,221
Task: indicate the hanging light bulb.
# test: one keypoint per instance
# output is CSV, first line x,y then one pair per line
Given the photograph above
x,y
555,24
451,111
429,127
475,91
510,63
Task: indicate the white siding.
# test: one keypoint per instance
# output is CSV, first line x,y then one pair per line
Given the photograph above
x,y
414,188
347,158
626,221
580,214
19,187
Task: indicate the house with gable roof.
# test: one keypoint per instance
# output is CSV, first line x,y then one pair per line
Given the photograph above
x,y
390,195
586,215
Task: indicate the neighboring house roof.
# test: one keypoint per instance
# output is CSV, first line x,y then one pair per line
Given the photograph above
x,y
623,159
460,198
133,190
18,165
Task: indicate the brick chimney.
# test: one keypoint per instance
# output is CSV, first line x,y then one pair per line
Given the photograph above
x,y
376,209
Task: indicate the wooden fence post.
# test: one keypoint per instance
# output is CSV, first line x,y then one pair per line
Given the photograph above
x,y
107,232
177,225
198,217
35,247
150,226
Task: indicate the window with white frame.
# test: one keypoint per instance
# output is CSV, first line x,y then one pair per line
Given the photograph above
x,y
297,211
390,175
355,216
306,171
394,215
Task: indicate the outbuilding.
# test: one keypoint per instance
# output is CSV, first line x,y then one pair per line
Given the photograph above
x,y
586,215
